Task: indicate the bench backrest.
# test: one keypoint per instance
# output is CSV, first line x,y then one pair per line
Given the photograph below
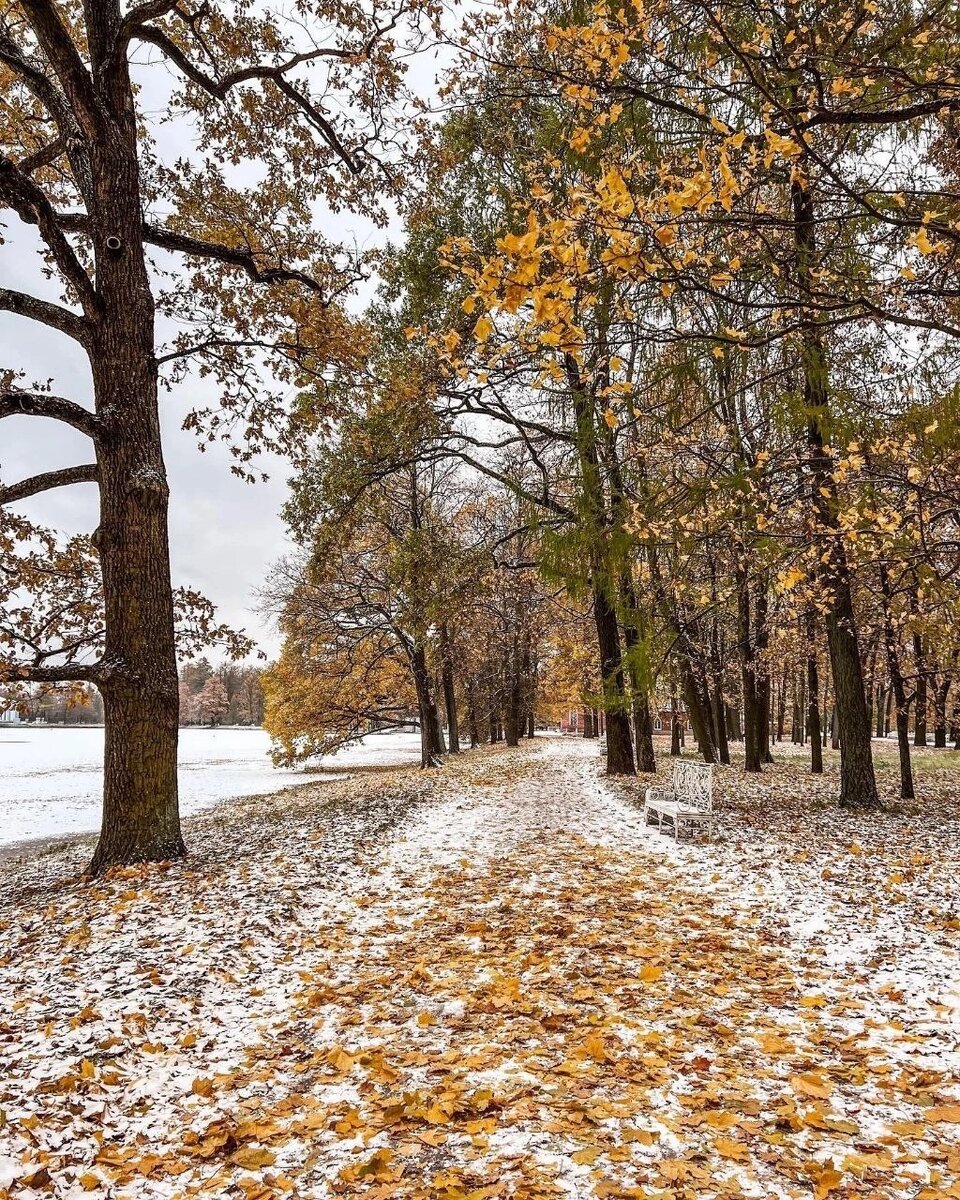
x,y
693,783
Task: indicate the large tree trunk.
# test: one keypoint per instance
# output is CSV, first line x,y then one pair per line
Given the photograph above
x,y
858,786
643,734
639,685
697,701
426,708
141,820
619,745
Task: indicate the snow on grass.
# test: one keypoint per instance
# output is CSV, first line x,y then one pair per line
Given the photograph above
x,y
51,777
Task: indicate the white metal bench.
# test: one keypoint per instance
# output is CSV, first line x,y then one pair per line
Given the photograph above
x,y
688,802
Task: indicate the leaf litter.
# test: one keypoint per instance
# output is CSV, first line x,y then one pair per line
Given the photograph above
x,y
493,982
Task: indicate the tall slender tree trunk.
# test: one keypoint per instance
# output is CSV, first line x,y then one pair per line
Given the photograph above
x,y
514,697
813,697
718,708
858,785
881,709
748,672
449,690
897,687
472,724
529,687
675,730
141,820
920,693
941,693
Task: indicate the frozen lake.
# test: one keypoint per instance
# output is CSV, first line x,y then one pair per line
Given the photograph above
x,y
51,776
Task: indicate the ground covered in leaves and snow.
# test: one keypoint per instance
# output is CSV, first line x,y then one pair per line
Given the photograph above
x,y
494,982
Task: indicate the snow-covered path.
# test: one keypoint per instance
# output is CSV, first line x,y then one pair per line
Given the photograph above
x,y
490,983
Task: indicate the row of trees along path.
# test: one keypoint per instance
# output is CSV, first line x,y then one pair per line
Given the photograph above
x,y
657,396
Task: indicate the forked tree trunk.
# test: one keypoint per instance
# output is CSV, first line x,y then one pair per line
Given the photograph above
x,y
675,730
141,820
698,708
646,761
602,581
426,708
720,724
897,686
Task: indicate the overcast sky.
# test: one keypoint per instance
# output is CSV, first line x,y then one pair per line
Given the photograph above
x,y
224,533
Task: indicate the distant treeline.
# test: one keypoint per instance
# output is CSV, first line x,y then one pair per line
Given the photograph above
x,y
226,695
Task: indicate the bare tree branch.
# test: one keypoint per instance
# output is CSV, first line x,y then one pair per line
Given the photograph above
x,y
64,673
47,481
167,239
219,88
54,315
14,403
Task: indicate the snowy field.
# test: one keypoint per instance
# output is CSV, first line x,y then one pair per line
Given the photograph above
x,y
50,777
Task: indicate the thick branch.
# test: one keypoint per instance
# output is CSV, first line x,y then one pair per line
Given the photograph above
x,y
46,482
64,673
32,206
183,243
43,156
37,404
62,53
54,315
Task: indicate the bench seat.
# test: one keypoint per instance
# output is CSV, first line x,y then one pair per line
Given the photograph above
x,y
689,802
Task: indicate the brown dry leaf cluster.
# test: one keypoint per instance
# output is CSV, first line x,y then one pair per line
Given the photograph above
x,y
493,984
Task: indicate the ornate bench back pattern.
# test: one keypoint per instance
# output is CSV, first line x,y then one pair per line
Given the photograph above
x,y
693,784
